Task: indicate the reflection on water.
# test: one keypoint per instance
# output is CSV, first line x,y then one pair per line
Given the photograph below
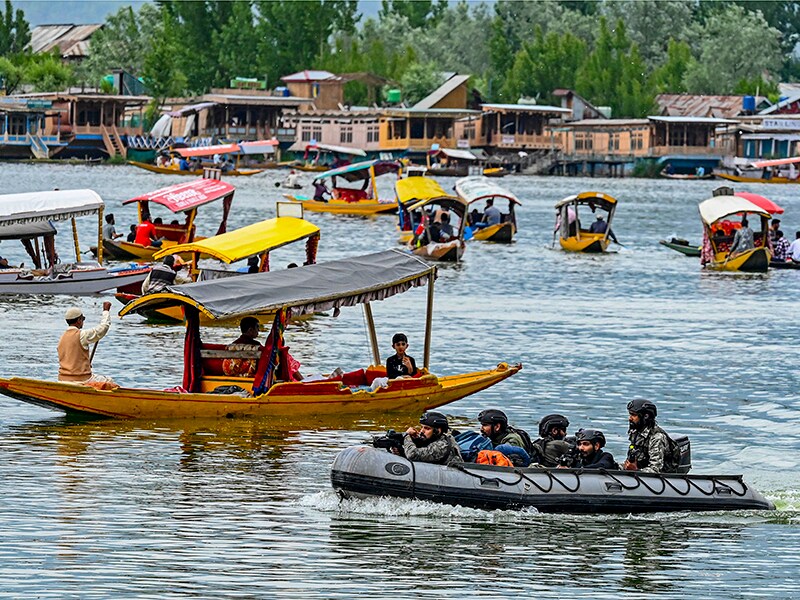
x,y
244,508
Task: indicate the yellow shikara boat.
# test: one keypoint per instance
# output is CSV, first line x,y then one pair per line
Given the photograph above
x,y
173,170
762,172
363,201
347,282
182,197
719,236
256,240
475,189
572,234
423,208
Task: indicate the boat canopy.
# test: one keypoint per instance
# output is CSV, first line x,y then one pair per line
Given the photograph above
x,y
208,150
719,207
307,289
248,241
473,189
414,189
258,147
587,197
53,205
297,146
24,231
183,197
457,154
765,203
777,162
361,170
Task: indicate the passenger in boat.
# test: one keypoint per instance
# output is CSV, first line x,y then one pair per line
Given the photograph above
x,y
132,235
780,247
164,274
491,215
504,438
590,451
551,444
433,442
743,239
146,234
401,364
250,328
109,232
183,164
649,445
773,228
74,360
600,226
320,191
291,180
445,228
793,251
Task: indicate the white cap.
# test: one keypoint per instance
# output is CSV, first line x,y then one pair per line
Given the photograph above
x,y
73,312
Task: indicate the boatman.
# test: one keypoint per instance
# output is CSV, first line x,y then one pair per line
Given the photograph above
x,y
649,444
164,274
600,226
74,361
433,443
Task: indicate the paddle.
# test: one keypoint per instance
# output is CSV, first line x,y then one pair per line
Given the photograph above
x,y
106,306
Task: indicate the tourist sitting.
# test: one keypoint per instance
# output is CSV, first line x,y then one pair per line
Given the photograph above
x,y
250,328
400,364
793,251
781,247
4,263
743,239
109,232
164,274
445,228
146,234
600,226
491,215
132,235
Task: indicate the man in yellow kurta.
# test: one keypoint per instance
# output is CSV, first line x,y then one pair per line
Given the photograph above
x,y
74,363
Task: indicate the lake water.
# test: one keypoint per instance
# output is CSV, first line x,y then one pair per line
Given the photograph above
x,y
241,508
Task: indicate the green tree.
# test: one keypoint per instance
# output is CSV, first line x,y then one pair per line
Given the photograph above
x,y
15,32
419,80
670,77
46,72
467,30
420,13
736,45
237,42
11,75
161,72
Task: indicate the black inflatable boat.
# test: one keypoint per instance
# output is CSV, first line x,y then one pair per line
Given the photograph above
x,y
363,471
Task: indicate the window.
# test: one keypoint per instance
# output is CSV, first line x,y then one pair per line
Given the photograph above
x,y
372,133
305,134
469,131
613,142
637,140
583,141
346,134
316,132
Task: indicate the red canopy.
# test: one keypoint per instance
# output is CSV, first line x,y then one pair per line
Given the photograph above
x,y
208,150
186,196
765,203
776,162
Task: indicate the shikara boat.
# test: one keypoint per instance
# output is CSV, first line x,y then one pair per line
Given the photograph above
x,y
685,176
364,472
475,189
763,171
181,197
237,150
256,240
421,204
318,158
575,236
682,246
271,392
28,217
719,232
359,201
173,170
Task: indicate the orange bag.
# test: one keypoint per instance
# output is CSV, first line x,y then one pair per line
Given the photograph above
x,y
493,457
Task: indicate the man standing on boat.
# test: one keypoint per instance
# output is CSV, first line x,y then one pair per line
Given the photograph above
x,y
74,360
649,445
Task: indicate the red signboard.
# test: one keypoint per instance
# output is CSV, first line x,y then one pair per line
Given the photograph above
x,y
186,196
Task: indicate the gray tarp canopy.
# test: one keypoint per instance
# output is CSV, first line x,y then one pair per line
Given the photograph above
x,y
22,231
307,289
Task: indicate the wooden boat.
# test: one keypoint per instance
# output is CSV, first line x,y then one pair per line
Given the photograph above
x,y
27,217
364,472
685,176
761,171
256,240
173,170
238,150
572,235
682,246
181,197
718,235
353,201
475,189
318,158
421,202
271,391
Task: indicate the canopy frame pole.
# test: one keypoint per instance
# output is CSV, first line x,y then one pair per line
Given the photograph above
x,y
374,183
190,224
100,235
373,338
75,240
429,320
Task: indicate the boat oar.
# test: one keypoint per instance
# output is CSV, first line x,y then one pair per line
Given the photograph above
x,y
94,349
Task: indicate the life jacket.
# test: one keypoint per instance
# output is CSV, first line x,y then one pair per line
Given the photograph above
x,y
493,457
470,443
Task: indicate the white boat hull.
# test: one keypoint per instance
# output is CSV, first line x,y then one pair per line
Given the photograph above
x,y
73,282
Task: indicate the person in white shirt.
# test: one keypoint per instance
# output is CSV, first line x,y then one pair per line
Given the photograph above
x,y
793,252
74,360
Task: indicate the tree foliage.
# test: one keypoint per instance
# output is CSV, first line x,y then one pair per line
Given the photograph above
x,y
15,33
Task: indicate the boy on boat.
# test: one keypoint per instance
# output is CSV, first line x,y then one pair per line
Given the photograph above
x,y
401,364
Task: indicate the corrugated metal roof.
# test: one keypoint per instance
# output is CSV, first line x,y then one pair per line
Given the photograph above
x,y
607,122
256,100
706,120
71,40
432,99
786,102
698,105
302,76
526,108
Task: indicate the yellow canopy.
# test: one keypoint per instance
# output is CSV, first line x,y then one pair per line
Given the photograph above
x,y
422,190
585,198
248,241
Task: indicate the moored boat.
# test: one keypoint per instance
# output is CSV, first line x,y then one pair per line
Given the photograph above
x,y
173,170
475,189
574,236
682,246
263,378
318,158
364,472
719,235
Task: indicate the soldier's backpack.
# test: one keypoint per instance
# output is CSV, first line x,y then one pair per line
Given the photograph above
x,y
526,439
470,443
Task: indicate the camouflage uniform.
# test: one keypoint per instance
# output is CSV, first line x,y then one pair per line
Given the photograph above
x,y
509,437
648,448
443,451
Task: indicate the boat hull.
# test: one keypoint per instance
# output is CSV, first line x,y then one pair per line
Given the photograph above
x,y
501,233
750,261
339,207
363,472
120,250
300,399
91,281
685,249
452,251
744,179
195,172
592,243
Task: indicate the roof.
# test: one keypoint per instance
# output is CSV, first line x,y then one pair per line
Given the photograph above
x,y
255,100
429,112
526,108
699,105
323,286
455,153
473,189
431,100
608,123
762,202
23,231
248,241
307,76
719,207
416,192
694,120
186,196
258,147
54,205
71,40
207,150
779,105
298,146
361,170
776,162
586,197
191,108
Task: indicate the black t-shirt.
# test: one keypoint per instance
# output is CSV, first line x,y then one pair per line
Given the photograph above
x,y
395,367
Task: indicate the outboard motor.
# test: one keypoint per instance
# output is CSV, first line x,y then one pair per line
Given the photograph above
x,y
685,463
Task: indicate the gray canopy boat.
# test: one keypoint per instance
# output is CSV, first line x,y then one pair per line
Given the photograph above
x,y
362,472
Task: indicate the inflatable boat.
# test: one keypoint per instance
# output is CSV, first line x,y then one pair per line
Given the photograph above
x,y
363,471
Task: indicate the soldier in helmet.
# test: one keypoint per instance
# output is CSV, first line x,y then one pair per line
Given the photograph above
x,y
551,444
590,451
648,449
494,425
433,442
